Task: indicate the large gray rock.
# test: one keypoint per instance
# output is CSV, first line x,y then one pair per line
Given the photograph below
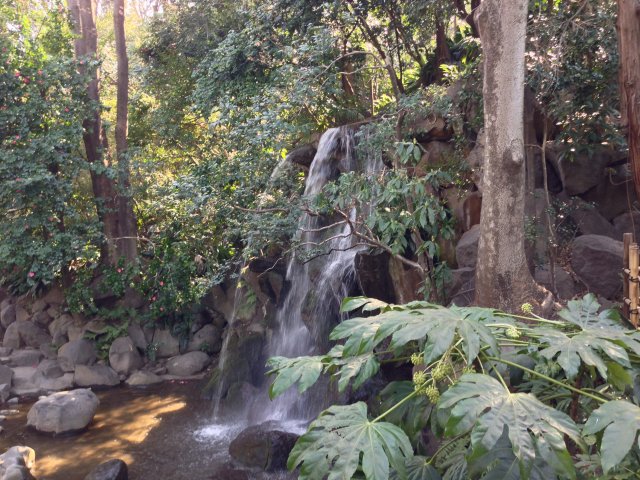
x,y
263,446
8,315
138,337
124,357
458,279
50,368
17,463
565,285
25,333
627,223
77,352
63,411
207,339
6,375
597,261
25,358
589,221
187,364
580,172
95,376
22,384
142,378
59,329
168,345
467,248
54,384
114,469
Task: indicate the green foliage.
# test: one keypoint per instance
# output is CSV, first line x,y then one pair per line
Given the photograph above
x,y
342,439
105,337
47,219
501,426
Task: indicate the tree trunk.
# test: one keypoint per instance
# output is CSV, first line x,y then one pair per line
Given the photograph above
x,y
503,279
127,235
628,47
94,139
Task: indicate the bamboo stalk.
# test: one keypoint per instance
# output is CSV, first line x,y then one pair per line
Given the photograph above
x,y
627,238
633,284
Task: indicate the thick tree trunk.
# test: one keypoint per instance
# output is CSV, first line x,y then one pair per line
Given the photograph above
x,y
94,139
127,242
629,51
503,279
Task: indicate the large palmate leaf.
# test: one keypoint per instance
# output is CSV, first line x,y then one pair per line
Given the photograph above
x,y
343,439
359,368
584,314
438,325
411,415
483,406
417,468
500,463
304,371
586,346
620,421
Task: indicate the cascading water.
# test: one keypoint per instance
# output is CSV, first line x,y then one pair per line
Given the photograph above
x,y
317,287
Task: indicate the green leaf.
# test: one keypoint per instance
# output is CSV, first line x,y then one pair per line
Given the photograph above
x,y
439,325
585,346
343,439
359,368
584,313
350,304
483,406
412,415
620,421
304,371
417,468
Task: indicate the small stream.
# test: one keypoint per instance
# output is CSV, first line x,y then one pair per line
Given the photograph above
x,y
156,430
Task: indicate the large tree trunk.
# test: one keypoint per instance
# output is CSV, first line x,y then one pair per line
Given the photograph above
x,y
94,138
503,279
629,51
127,238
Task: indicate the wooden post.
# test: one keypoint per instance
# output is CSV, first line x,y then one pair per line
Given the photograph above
x,y
633,284
627,238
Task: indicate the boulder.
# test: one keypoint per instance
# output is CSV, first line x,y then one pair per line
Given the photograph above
x,y
187,364
55,384
50,368
22,384
22,314
5,351
55,296
565,285
17,463
373,277
25,358
589,221
77,352
207,339
41,319
168,345
627,223
25,333
467,248
597,261
95,376
8,315
142,378
38,306
263,446
458,279
63,411
302,156
136,333
114,469
59,329
5,393
6,375
580,172
124,357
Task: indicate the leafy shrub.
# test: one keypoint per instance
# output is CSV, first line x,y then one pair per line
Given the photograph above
x,y
509,396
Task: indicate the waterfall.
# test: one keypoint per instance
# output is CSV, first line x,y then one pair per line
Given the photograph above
x,y
317,286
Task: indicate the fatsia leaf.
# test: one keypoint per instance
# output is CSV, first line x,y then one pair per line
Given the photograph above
x,y
584,314
343,439
482,405
585,346
359,368
417,468
411,415
620,421
304,371
500,463
350,304
438,325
